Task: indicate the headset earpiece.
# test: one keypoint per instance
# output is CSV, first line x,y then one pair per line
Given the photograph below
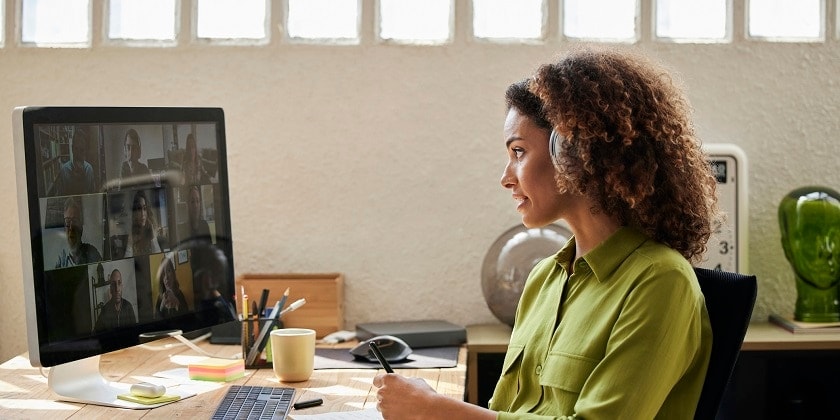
x,y
554,145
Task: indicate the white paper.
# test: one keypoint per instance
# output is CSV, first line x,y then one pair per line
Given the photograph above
x,y
367,414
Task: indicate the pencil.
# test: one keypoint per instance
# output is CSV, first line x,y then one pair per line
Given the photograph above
x,y
283,299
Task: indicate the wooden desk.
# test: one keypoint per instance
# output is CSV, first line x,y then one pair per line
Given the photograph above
x,y
24,393
761,336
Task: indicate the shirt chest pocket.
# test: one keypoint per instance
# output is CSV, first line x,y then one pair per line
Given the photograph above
x,y
567,372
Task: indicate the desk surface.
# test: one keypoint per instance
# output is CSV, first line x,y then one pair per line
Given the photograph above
x,y
24,392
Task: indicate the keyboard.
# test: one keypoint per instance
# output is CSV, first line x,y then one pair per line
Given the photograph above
x,y
255,402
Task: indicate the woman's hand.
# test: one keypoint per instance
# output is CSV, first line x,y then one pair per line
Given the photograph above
x,y
404,398
401,398
170,301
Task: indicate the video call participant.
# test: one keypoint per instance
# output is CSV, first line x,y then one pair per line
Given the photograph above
x,y
143,238
171,300
194,173
210,267
76,175
196,226
131,166
614,325
77,252
117,312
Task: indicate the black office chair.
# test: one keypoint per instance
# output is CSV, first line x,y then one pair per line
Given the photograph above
x,y
730,298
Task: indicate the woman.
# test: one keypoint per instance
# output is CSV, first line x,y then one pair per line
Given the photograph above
x,y
171,300
143,238
194,173
196,226
614,325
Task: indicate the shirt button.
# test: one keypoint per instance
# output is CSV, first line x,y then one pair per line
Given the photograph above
x,y
539,369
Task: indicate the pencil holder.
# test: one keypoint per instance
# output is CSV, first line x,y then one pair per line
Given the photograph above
x,y
256,341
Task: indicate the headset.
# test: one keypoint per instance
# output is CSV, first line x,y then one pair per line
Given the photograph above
x,y
554,145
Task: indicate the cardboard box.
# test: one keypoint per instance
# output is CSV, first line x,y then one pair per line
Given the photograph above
x,y
324,294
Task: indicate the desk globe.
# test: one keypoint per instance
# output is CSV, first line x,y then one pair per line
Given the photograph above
x,y
809,221
509,261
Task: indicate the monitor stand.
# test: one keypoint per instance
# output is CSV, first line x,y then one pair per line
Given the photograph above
x,y
80,381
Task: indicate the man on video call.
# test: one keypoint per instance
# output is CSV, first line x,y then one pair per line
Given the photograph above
x,y
76,175
77,252
117,312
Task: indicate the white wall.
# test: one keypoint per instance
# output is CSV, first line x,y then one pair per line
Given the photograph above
x,y
383,162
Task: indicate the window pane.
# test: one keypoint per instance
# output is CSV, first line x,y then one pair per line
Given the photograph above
x,y
141,19
691,19
587,19
55,22
785,18
231,19
415,20
508,18
324,19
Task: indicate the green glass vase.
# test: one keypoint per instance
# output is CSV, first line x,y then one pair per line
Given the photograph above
x,y
809,220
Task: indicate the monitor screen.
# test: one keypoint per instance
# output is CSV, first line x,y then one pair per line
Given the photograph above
x,y
125,225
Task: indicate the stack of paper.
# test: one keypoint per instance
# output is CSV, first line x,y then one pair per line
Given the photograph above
x,y
219,370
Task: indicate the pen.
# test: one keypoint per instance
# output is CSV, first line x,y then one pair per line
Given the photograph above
x,y
306,404
263,302
375,349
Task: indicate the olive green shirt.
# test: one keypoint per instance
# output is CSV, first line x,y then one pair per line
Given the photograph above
x,y
626,336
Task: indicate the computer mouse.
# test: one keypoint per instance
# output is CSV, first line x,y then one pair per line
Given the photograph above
x,y
393,348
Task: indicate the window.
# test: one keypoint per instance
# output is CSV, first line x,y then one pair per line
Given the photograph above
x,y
508,19
55,22
691,20
415,21
785,20
323,19
231,19
586,19
142,20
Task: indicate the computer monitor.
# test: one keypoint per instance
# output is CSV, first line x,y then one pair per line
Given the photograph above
x,y
125,230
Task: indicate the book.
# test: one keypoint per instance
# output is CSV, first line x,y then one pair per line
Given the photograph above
x,y
799,327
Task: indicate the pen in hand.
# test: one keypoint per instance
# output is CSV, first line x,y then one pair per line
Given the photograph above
x,y
375,349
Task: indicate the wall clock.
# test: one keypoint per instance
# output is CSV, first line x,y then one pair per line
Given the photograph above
x,y
728,246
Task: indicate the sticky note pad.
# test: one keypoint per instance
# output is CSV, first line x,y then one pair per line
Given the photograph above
x,y
147,400
219,370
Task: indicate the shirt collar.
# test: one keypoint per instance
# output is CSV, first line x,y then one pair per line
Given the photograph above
x,y
608,255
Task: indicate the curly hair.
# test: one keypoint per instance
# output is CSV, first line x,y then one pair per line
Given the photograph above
x,y
629,144
519,97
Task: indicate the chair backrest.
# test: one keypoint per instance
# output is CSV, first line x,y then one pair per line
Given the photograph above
x,y
730,298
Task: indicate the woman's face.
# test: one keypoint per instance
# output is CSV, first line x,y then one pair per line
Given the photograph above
x,y
529,173
132,149
168,277
141,212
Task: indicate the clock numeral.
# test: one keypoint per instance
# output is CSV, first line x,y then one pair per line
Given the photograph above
x,y
725,247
